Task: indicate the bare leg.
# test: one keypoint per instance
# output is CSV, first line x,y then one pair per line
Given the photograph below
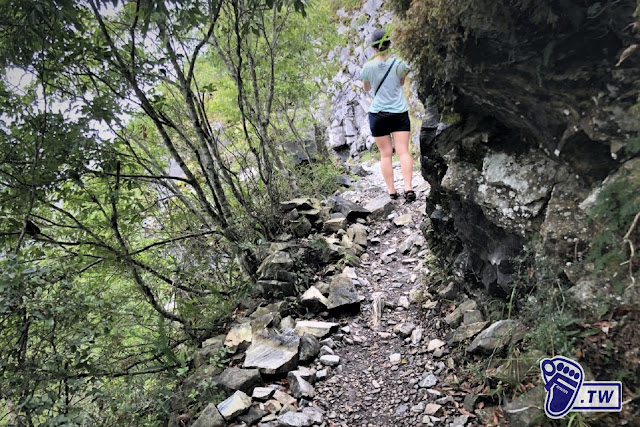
x,y
401,140
386,165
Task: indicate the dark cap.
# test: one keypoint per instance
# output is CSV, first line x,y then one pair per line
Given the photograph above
x,y
377,36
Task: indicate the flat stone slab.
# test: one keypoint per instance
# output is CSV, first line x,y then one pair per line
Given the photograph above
x,y
273,354
315,327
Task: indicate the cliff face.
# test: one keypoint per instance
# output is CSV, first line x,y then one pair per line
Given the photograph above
x,y
542,118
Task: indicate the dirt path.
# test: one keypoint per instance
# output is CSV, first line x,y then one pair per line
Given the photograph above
x,y
394,373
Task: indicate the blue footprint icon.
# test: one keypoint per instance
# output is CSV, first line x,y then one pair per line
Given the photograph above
x,y
563,378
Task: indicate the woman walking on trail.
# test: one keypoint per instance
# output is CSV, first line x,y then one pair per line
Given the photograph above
x,y
389,112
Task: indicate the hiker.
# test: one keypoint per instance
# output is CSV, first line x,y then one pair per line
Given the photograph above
x,y
389,112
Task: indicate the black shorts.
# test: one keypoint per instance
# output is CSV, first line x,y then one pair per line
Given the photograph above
x,y
383,123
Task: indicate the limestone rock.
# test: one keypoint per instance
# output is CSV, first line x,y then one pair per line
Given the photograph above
x,y
330,360
350,210
467,331
343,294
435,344
453,318
287,323
497,336
210,417
402,220
301,227
472,316
358,234
252,416
294,419
429,380
276,288
416,336
233,379
411,241
273,354
448,291
262,394
335,224
380,207
210,348
314,414
432,408
235,405
403,302
301,203
274,263
314,300
300,387
316,328
309,348
528,409
405,329
239,336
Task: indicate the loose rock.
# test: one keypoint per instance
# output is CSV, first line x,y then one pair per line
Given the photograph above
x,y
235,405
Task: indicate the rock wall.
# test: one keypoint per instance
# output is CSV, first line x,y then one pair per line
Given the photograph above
x,y
348,132
541,127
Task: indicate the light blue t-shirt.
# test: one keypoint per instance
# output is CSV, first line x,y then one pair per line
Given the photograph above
x,y
390,97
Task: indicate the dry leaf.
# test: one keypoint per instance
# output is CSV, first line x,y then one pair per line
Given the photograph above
x,y
626,53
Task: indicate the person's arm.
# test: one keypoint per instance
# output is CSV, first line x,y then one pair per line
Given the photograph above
x,y
365,79
403,68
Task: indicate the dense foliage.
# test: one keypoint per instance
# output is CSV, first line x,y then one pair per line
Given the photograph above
x,y
141,165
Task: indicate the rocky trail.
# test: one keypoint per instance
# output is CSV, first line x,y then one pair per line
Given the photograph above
x,y
366,341
394,360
